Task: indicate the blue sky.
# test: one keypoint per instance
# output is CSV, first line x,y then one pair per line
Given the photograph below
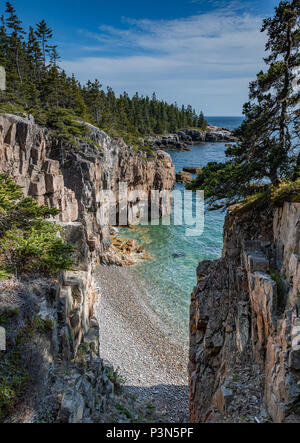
x,y
195,52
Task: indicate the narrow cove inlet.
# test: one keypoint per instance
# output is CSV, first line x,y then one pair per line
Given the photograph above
x,y
144,309
149,253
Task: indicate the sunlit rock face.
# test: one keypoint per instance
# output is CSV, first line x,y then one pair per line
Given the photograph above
x,y
71,178
245,312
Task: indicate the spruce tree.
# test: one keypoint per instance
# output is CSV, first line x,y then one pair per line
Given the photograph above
x,y
53,97
53,55
34,56
44,34
202,123
16,36
3,42
93,100
264,152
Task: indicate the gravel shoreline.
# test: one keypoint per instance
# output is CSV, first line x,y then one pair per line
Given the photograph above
x,y
132,337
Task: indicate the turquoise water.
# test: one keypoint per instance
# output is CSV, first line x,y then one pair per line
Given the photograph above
x,y
167,281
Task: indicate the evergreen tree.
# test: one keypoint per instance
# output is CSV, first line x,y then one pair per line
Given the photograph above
x,y
284,41
53,55
266,135
202,123
3,42
93,99
29,243
46,91
44,34
34,56
16,36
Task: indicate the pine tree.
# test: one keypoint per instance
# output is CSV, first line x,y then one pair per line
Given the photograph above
x,y
3,42
77,102
266,135
34,56
16,36
53,55
284,41
93,99
54,98
44,34
202,124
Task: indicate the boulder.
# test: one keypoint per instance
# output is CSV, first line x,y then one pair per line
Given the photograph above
x,y
193,170
184,177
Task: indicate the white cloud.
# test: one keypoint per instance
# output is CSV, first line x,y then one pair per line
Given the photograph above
x,y
206,60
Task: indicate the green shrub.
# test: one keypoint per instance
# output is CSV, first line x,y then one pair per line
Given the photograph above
x,y
116,378
64,124
11,388
5,274
9,108
123,410
42,326
14,376
8,314
35,249
252,202
286,191
29,243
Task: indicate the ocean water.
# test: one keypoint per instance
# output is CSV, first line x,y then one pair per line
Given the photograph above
x,y
167,281
225,122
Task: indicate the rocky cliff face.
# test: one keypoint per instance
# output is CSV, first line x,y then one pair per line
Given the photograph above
x,y
71,179
245,321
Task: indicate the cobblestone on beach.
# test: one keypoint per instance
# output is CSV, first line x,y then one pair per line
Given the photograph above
x,y
134,339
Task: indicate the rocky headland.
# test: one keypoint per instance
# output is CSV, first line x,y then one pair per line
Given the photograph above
x,y
182,139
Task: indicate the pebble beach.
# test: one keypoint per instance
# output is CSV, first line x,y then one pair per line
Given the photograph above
x,y
149,356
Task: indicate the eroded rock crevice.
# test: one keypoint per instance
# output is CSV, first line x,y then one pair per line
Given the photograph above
x,y
245,312
73,385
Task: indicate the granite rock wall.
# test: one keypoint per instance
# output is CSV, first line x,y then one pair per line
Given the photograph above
x,y
245,311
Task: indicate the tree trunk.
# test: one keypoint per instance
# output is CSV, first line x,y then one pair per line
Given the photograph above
x,y
274,176
18,65
285,94
44,52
